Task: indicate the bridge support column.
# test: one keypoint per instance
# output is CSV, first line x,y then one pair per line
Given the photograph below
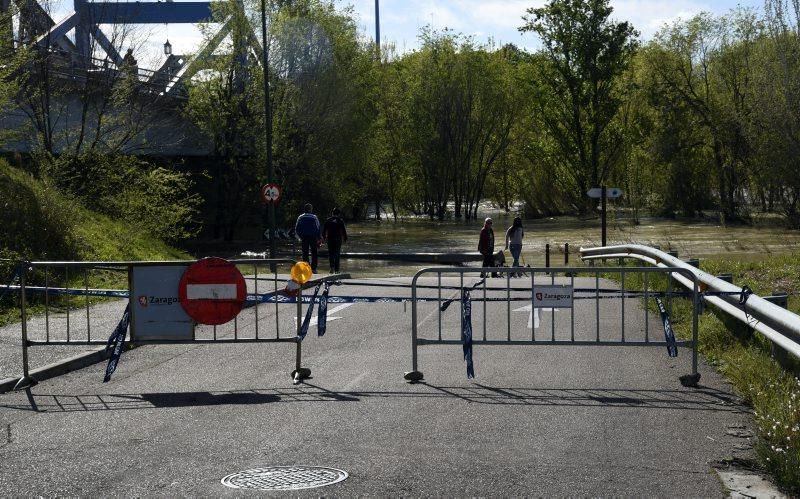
x,y
83,30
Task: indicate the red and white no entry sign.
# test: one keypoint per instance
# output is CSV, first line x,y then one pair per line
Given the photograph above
x,y
271,193
212,291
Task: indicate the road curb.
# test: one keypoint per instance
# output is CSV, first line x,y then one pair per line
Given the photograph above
x,y
61,367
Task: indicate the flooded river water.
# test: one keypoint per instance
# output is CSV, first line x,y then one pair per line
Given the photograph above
x,y
691,239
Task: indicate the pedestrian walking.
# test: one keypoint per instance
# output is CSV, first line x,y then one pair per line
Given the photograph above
x,y
486,246
334,233
514,236
308,230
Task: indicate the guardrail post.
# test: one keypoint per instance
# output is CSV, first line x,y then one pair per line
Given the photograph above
x,y
780,355
26,381
566,253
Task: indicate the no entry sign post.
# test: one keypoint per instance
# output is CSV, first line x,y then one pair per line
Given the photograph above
x,y
212,291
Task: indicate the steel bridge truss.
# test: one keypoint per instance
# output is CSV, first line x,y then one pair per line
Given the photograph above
x,y
37,27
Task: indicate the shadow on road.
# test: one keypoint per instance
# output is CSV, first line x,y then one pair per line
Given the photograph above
x,y
700,399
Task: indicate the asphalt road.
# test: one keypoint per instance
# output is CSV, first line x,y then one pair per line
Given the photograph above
x,y
536,420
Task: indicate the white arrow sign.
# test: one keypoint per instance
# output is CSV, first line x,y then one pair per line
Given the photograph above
x,y
533,315
330,311
611,192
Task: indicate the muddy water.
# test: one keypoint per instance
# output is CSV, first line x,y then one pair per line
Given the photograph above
x,y
689,239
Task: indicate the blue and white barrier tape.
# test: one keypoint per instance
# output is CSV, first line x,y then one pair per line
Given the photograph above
x,y
322,316
669,334
466,331
307,320
116,342
112,293
278,297
13,277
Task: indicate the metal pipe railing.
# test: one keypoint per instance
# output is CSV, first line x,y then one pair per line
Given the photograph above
x,y
776,323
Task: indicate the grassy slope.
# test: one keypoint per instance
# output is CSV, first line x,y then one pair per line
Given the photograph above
x,y
39,223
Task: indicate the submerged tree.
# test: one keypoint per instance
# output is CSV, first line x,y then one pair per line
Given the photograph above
x,y
701,74
777,112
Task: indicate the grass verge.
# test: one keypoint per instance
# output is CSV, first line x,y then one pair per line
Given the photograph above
x,y
746,360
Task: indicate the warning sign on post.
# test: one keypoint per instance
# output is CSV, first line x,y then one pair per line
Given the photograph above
x,y
271,193
212,291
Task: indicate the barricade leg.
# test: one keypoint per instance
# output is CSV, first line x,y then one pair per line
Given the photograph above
x,y
26,381
415,375
300,373
692,380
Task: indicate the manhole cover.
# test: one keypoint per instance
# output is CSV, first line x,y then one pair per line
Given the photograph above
x,y
284,478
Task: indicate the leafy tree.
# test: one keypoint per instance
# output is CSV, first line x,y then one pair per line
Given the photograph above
x,y
776,123
460,103
323,114
702,67
224,104
587,52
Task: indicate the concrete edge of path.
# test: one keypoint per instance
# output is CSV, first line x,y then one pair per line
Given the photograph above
x,y
61,367
742,483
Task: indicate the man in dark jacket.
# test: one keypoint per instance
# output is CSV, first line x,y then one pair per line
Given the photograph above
x,y
335,234
307,229
486,245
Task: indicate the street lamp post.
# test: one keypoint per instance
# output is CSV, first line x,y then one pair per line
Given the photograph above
x,y
268,124
378,29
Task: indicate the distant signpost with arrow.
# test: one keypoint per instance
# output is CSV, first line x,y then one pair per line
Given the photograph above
x,y
604,193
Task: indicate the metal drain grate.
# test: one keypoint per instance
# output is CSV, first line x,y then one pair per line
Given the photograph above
x,y
284,478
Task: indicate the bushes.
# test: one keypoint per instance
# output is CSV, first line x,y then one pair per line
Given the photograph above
x,y
153,199
36,221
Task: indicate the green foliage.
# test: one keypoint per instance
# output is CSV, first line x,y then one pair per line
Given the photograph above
x,y
586,54
446,113
320,74
703,118
772,392
36,221
153,199
40,223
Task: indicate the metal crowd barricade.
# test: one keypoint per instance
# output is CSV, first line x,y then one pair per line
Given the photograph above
x,y
496,301
66,321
